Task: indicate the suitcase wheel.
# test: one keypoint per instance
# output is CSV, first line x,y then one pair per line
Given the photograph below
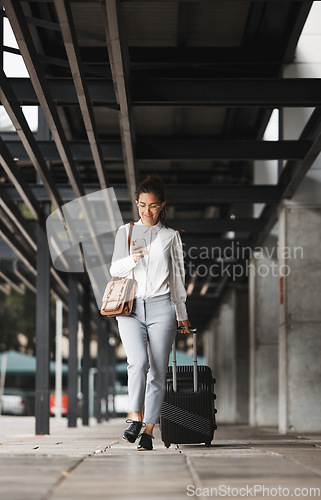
x,y
208,443
167,445
214,396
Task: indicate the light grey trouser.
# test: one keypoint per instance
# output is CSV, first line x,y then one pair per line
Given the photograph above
x,y
147,336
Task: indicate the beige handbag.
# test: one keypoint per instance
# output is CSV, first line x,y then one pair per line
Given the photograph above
x,y
119,293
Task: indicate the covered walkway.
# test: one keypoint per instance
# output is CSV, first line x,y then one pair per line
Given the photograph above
x,y
93,462
222,99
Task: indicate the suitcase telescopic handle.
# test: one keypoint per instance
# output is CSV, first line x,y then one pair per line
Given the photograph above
x,y
194,331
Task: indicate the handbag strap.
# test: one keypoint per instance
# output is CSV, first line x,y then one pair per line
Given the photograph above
x,y
130,235
129,238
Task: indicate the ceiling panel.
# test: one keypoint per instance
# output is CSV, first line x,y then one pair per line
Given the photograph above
x,y
151,24
217,24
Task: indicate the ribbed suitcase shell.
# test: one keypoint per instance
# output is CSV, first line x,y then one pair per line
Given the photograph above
x,y
187,416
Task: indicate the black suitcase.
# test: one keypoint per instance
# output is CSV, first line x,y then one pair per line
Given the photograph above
x,y
188,412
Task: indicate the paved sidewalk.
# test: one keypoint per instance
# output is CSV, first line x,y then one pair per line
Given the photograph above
x,y
94,463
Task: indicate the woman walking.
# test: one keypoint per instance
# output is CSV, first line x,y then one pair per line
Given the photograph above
x,y
156,261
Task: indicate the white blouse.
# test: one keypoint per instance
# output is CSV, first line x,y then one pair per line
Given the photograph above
x,y
159,272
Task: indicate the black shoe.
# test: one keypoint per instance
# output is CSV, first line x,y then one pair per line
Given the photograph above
x,y
133,430
145,442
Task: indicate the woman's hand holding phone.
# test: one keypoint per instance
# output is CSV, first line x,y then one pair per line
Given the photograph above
x,y
139,249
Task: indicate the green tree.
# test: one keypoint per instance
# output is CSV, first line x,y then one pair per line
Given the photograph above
x,y
18,315
9,314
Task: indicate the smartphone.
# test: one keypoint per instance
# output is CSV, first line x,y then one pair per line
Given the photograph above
x,y
139,243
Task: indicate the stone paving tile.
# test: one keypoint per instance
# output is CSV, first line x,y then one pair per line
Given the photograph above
x,y
94,462
142,475
24,477
260,465
305,458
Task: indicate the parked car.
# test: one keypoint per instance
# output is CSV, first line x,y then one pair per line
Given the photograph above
x,y
13,402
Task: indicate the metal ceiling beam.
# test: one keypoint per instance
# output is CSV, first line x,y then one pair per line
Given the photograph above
x,y
63,93
253,26
80,150
236,118
9,227
257,92
292,175
56,61
73,53
23,276
44,23
273,92
15,230
287,54
294,172
190,148
9,233
230,58
4,288
209,226
8,276
6,252
28,51
170,57
215,61
187,148
13,212
90,69
15,176
183,24
10,238
179,194
120,71
12,107
176,194
295,30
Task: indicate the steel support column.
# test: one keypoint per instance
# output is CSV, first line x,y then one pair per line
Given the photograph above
x,y
108,374
111,367
99,372
72,360
42,328
86,355
105,369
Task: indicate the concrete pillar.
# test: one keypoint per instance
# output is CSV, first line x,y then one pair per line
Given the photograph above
x,y
226,352
242,354
299,226
264,309
300,319
210,344
226,360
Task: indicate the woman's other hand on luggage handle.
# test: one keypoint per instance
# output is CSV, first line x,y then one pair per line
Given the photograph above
x,y
184,325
